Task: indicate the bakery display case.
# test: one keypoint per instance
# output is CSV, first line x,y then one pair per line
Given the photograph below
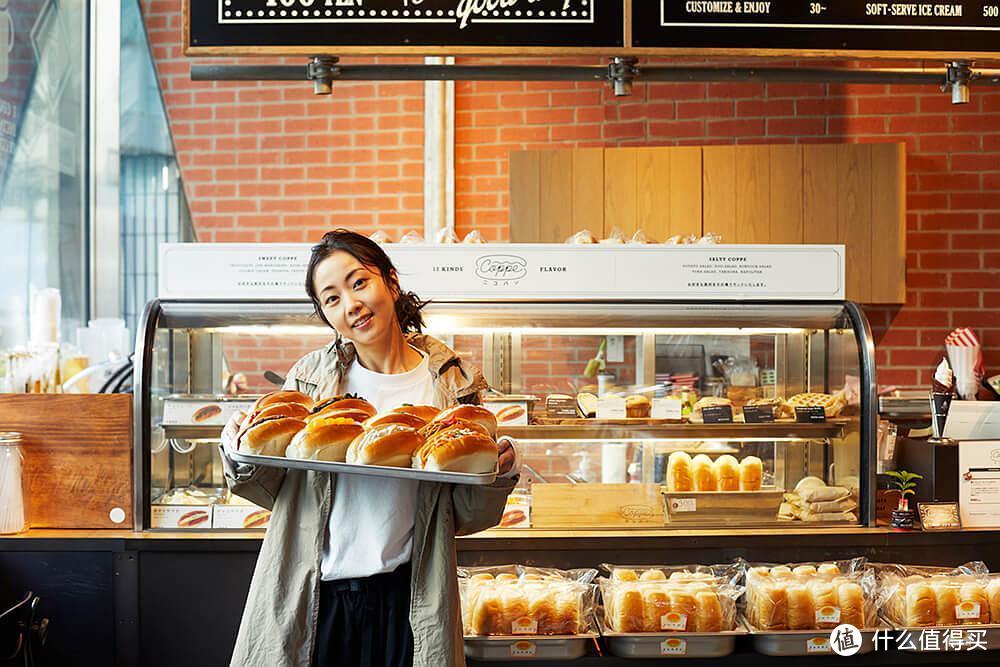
x,y
646,414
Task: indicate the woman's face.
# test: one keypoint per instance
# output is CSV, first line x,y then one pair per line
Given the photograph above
x,y
355,299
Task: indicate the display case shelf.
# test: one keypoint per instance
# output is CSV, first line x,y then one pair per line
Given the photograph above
x,y
833,428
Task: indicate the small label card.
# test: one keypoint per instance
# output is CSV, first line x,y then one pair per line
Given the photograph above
x,y
718,414
758,414
684,504
667,408
611,407
811,414
673,646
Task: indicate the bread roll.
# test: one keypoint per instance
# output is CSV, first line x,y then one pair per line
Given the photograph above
x,y
432,429
389,445
993,595
458,450
772,607
653,575
569,611
472,413
781,571
296,410
828,570
709,615
360,416
425,412
542,608
947,599
480,578
344,403
515,606
824,595
324,440
506,577
751,471
487,613
679,477
973,592
703,473
801,611
624,574
637,406
271,436
760,571
281,397
682,602
727,473
804,570
395,418
628,614
656,605
921,605
852,604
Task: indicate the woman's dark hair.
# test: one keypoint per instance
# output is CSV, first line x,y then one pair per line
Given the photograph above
x,y
370,254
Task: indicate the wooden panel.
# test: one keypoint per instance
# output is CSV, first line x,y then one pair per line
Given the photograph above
x,y
619,190
786,194
524,186
587,505
588,190
719,192
888,223
819,194
555,201
653,192
854,216
78,457
685,191
752,166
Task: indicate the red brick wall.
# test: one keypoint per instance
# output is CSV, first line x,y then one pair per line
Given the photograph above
x,y
275,163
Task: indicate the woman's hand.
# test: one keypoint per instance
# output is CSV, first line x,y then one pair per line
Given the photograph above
x,y
508,455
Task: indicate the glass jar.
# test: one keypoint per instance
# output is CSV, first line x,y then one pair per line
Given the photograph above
x,y
11,483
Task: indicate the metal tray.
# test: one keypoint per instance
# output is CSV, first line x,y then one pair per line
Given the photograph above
x,y
805,642
671,645
528,647
721,507
990,638
360,469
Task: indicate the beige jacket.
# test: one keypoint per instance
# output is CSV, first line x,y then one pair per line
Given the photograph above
x,y
279,621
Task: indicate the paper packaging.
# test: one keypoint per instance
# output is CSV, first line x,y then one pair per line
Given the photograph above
x,y
184,413
509,413
240,516
517,512
966,356
185,517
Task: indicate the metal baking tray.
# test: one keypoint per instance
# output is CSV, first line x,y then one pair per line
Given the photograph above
x,y
721,507
528,647
672,644
990,638
805,642
361,469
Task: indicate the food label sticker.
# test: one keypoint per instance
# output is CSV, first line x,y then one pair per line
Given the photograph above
x,y
673,646
524,626
828,614
818,645
684,504
967,610
717,414
667,408
758,414
611,407
523,649
673,621
812,414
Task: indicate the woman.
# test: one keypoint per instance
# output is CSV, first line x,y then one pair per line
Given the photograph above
x,y
361,570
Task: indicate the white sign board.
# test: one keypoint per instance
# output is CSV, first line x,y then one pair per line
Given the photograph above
x,y
979,483
973,420
524,271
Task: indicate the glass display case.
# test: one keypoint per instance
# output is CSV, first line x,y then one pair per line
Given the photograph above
x,y
559,373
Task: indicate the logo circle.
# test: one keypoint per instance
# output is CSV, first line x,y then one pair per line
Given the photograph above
x,y
845,640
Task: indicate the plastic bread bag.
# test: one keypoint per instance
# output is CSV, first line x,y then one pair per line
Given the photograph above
x,y
922,596
446,235
667,606
810,596
676,239
616,237
380,237
512,600
639,238
582,237
412,238
709,239
474,237
726,573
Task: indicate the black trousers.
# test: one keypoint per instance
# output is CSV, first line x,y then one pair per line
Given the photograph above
x,y
365,622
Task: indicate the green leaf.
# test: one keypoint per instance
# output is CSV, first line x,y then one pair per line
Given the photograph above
x,y
894,473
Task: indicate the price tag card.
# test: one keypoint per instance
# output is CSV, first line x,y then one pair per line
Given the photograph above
x,y
828,614
674,621
611,407
718,414
683,504
812,414
758,414
967,610
666,408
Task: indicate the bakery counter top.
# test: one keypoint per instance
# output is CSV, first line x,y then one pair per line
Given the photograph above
x,y
50,539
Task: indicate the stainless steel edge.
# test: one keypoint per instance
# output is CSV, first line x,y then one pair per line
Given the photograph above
x,y
869,419
144,338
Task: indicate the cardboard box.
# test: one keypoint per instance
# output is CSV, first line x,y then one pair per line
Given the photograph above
x,y
240,517
183,517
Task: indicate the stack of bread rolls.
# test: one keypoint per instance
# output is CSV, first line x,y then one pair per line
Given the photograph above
x,y
808,597
703,474
919,600
531,603
348,429
651,601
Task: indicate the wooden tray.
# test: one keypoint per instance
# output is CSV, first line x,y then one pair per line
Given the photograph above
x,y
589,505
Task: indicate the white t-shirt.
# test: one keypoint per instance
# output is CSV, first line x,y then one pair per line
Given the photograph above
x,y
371,520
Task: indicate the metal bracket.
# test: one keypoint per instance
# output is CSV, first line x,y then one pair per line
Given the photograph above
x,y
621,73
957,79
322,70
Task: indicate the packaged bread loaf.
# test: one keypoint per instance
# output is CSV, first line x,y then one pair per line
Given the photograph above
x,y
685,474
516,600
810,596
687,598
924,596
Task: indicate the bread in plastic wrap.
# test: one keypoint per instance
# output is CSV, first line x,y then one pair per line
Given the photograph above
x,y
921,596
516,600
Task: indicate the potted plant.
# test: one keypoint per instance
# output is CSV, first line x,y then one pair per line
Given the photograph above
x,y
904,483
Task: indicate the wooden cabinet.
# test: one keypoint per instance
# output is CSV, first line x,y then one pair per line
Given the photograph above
x,y
850,194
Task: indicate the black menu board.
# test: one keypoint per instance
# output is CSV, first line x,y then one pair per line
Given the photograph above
x,y
838,25
335,26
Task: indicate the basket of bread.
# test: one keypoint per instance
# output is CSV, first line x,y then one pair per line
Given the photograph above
x,y
518,611
724,490
670,611
346,434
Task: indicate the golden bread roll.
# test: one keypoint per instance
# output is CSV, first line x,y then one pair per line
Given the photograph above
x,y
947,599
921,605
481,577
296,410
825,601
993,595
804,570
506,577
801,611
358,415
283,396
624,574
653,575
682,602
703,473
425,412
531,576
569,611
271,436
542,608
458,450
515,607
760,571
345,403
395,418
727,473
390,445
828,570
472,413
656,605
679,476
486,615
637,406
324,440
432,429
781,571
852,604
709,615
751,471
973,593
629,614
772,607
